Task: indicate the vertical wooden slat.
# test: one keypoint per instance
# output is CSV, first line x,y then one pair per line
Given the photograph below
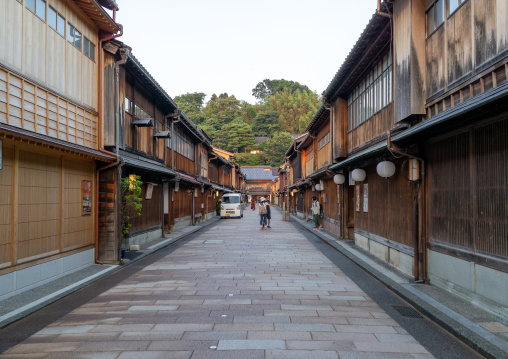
x,y
35,109
61,200
22,103
15,207
7,97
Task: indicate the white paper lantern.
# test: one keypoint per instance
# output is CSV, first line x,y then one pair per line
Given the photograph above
x,y
358,175
339,179
318,187
385,169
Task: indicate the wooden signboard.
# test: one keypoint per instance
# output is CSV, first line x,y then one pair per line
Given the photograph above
x,y
357,197
86,197
365,197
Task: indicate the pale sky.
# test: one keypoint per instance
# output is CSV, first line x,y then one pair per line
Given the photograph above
x,y
216,46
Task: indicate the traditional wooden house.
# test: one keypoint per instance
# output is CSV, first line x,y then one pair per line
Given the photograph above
x,y
135,111
50,139
259,181
419,118
296,181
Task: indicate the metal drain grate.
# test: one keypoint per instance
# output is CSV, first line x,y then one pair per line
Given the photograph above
x,y
407,312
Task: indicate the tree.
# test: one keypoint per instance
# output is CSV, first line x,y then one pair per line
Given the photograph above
x,y
250,159
131,201
265,124
239,136
249,112
224,108
276,147
296,108
268,88
192,105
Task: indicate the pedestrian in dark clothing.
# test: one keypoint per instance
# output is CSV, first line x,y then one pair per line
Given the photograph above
x,y
268,213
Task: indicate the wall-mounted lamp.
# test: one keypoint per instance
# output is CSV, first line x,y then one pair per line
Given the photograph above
x,y
339,179
358,175
132,178
318,187
385,169
216,193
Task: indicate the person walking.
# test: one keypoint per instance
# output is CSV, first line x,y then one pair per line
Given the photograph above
x,y
252,203
268,213
316,211
262,213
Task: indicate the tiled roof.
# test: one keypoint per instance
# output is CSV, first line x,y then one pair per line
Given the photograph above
x,y
258,173
260,139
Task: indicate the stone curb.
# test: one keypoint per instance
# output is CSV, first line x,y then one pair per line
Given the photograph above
x,y
484,342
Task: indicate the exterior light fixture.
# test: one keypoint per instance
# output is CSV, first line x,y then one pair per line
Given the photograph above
x,y
385,169
339,179
132,178
177,186
318,187
358,175
217,194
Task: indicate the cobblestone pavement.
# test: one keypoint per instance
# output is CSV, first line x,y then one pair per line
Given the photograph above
x,y
232,291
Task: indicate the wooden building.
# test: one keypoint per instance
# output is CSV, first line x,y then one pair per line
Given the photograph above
x,y
259,181
135,111
50,144
419,123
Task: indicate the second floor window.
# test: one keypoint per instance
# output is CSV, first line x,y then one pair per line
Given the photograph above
x,y
435,16
454,5
74,36
56,21
183,144
324,141
89,49
38,7
372,94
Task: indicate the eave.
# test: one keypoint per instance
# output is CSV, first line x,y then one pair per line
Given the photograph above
x,y
373,39
322,114
96,13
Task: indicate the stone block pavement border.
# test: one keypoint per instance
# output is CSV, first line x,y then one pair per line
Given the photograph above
x,y
466,321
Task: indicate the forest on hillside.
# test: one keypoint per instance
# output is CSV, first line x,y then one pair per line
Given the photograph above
x,y
284,108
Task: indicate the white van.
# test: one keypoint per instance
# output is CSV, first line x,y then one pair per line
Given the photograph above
x,y
231,205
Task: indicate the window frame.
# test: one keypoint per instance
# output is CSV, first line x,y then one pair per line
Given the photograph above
x,y
372,94
34,10
90,44
433,8
57,18
73,43
451,13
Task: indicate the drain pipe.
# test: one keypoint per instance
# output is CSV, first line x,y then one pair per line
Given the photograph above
x,y
394,149
99,137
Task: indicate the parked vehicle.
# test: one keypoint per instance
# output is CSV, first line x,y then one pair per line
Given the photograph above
x,y
231,205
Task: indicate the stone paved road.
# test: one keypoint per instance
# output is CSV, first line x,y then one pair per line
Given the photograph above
x,y
232,291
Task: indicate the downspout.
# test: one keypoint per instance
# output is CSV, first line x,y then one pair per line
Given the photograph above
x,y
99,137
394,149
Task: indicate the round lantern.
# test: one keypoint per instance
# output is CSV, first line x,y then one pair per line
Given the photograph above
x,y
385,169
339,179
318,187
358,175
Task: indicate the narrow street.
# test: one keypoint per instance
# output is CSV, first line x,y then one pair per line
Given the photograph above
x,y
234,291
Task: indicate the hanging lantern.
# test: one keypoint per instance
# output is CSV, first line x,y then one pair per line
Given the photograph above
x,y
358,175
385,169
339,179
318,187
